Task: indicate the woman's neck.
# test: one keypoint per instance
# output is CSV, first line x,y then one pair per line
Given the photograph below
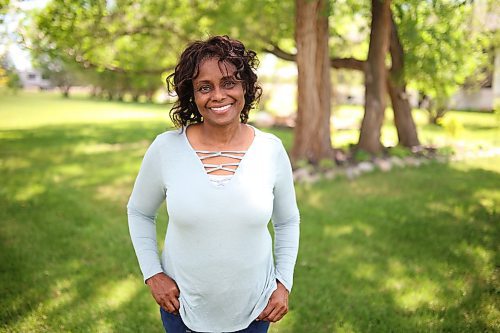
x,y
222,137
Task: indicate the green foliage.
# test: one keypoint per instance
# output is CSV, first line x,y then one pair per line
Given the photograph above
x,y
437,108
14,81
349,25
258,23
303,164
441,47
4,6
361,155
8,76
326,164
122,48
381,253
400,151
447,151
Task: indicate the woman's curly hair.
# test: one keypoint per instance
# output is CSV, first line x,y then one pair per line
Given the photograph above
x,y
225,49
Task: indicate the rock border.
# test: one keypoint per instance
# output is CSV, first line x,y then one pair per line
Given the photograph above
x,y
310,174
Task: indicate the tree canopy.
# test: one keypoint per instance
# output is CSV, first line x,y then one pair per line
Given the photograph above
x,y
127,46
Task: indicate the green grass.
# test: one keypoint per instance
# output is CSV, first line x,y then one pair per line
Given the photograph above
x,y
413,250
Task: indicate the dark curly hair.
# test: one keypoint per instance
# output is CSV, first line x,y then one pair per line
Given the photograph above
x,y
184,111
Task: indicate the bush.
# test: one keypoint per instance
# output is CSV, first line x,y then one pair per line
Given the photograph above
x,y
399,151
326,164
361,156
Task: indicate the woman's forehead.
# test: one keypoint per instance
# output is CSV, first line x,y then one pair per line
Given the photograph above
x,y
215,67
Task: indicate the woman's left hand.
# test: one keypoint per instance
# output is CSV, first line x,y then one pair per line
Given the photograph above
x,y
277,306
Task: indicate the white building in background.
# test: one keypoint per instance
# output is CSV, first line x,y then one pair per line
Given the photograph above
x,y
33,79
484,98
487,97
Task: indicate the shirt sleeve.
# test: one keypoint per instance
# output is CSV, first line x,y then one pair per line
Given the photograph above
x,y
285,219
147,195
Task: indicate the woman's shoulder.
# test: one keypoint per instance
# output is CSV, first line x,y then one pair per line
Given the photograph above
x,y
169,136
268,138
167,141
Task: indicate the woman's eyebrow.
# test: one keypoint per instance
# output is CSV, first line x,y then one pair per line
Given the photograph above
x,y
229,77
224,78
202,81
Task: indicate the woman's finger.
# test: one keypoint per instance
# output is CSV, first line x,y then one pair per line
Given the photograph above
x,y
274,314
280,310
263,315
175,303
280,316
169,307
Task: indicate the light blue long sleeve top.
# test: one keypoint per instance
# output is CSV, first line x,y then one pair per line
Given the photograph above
x,y
217,247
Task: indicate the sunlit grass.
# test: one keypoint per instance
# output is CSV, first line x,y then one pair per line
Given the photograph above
x,y
480,130
413,250
19,112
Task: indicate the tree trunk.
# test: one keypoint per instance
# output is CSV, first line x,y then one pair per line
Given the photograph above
x,y
396,83
65,90
312,130
375,78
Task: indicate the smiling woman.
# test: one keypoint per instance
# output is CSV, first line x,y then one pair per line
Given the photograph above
x,y
223,181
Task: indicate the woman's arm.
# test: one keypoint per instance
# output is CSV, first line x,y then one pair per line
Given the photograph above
x,y
147,195
285,220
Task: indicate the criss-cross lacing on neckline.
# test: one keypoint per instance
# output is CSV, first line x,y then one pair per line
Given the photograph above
x,y
235,155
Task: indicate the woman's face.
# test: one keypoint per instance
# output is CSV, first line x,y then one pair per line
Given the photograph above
x,y
218,95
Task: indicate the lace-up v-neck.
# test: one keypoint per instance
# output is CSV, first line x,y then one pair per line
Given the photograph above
x,y
234,155
220,162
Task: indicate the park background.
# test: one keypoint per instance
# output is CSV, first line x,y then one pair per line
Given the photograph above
x,y
398,191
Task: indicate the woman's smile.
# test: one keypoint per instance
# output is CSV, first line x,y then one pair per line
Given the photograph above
x,y
220,109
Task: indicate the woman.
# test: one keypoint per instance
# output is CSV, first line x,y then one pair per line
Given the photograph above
x,y
222,180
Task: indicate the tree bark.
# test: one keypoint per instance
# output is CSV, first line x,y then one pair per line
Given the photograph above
x,y
375,78
312,130
396,83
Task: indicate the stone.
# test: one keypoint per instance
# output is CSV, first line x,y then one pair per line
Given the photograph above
x,y
352,172
300,173
396,161
412,161
366,167
329,174
383,164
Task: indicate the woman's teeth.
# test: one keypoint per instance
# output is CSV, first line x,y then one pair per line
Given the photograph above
x,y
222,108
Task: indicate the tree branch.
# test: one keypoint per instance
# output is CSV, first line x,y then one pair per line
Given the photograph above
x,y
337,63
348,63
280,53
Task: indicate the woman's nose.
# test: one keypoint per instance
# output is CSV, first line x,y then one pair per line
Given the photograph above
x,y
218,94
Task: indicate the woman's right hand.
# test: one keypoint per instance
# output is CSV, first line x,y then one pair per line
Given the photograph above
x,y
165,292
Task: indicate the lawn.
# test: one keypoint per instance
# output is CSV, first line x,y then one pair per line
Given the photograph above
x,y
413,250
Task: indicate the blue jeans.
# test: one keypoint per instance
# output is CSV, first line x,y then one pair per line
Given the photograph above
x,y
174,324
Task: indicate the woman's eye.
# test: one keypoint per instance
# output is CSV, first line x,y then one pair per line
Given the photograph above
x,y
204,89
229,84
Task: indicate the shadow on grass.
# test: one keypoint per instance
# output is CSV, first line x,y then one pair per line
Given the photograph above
x,y
67,261
411,251
414,250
